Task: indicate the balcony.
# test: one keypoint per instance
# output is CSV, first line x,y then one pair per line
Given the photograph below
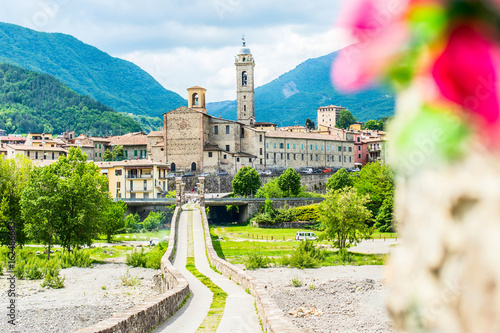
x,y
139,176
140,189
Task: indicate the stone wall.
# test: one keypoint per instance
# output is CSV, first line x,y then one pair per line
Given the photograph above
x,y
147,315
284,225
270,314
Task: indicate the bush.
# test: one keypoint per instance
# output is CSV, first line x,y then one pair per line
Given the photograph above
x,y
154,256
78,258
136,259
345,256
276,216
256,260
53,281
296,282
307,213
154,220
306,255
128,280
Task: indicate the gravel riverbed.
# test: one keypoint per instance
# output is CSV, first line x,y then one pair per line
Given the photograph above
x,y
332,299
89,296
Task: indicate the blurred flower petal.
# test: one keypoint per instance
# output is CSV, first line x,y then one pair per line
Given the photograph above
x,y
465,73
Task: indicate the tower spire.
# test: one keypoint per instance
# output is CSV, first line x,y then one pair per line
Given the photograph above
x,y
243,41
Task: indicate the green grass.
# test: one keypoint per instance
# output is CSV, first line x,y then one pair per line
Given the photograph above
x,y
214,316
101,253
140,236
242,231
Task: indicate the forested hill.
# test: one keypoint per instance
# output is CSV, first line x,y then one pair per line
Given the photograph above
x,y
294,96
34,102
115,82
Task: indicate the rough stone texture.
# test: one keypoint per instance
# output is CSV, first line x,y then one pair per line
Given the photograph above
x,y
445,276
270,314
145,316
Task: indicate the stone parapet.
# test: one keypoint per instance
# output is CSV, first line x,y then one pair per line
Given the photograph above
x,y
145,316
272,317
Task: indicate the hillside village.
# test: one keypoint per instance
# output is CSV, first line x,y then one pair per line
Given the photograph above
x,y
192,141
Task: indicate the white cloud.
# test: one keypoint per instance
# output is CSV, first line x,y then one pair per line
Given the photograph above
x,y
185,43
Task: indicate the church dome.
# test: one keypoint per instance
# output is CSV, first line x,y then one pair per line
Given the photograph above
x,y
244,50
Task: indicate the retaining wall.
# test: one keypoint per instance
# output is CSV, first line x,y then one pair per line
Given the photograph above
x,y
270,314
145,316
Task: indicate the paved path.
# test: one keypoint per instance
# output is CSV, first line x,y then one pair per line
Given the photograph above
x,y
239,314
191,315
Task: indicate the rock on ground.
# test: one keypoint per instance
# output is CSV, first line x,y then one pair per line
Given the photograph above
x,y
89,296
332,299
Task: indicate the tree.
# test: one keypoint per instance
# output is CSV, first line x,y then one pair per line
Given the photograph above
x,y
376,181
154,220
132,221
270,189
41,206
14,173
108,156
85,197
310,125
384,219
114,218
343,215
289,182
345,119
339,180
373,125
118,153
246,181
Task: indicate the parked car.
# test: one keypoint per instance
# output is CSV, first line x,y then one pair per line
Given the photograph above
x,y
307,170
327,170
222,173
205,174
266,172
171,175
305,235
187,175
318,171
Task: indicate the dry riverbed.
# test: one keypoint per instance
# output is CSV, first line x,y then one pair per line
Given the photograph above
x,y
89,296
332,299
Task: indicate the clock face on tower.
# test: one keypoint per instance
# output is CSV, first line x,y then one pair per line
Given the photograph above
x,y
183,125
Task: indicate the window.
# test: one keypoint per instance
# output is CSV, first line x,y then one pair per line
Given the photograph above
x,y
146,196
260,151
250,160
261,161
327,158
294,146
282,145
125,152
294,157
225,156
302,157
242,132
227,147
287,146
281,155
99,155
267,144
95,146
311,147
145,185
274,158
350,159
131,185
52,155
244,96
350,149
340,158
345,148
99,146
244,78
260,138
118,172
345,158
216,129
267,155
275,145
358,139
327,147
210,154
288,156
237,159
135,152
302,146
36,155
244,107
359,147
316,157
118,185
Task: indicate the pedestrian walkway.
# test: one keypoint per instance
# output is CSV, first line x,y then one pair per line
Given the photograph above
x,y
239,313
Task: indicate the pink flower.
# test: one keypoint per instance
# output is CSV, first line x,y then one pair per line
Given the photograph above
x,y
465,73
379,27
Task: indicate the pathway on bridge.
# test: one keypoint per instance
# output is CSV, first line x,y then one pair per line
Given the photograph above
x,y
239,313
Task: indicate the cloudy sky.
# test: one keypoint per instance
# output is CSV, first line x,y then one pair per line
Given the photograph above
x,y
184,43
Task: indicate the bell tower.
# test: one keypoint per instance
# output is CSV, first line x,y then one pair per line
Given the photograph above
x,y
245,86
196,98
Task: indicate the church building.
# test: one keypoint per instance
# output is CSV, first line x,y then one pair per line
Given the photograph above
x,y
197,142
